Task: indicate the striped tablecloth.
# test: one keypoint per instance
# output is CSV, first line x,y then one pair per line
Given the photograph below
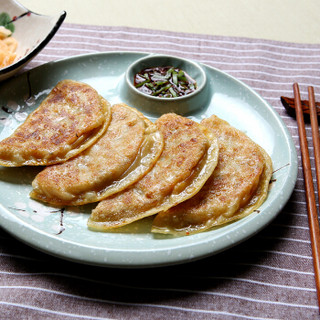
x,y
269,276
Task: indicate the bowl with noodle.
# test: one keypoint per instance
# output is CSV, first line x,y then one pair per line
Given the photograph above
x,y
23,34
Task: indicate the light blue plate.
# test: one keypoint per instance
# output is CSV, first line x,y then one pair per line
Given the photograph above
x,y
64,234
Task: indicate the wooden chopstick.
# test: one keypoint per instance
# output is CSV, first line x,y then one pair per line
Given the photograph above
x,y
316,146
315,133
310,196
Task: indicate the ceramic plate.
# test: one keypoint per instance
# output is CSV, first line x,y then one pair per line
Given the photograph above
x,y
64,234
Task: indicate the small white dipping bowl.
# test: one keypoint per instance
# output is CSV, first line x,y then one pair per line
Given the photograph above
x,y
156,106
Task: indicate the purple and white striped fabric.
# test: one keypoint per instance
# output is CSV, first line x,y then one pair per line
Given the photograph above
x,y
269,276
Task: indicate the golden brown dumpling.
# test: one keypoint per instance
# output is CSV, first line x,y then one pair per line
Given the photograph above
x,y
122,155
69,120
189,156
237,187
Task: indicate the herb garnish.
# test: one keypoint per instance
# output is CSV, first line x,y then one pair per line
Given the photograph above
x,y
165,82
6,21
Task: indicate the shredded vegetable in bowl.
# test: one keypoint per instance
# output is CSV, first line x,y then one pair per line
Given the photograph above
x,y
8,44
166,82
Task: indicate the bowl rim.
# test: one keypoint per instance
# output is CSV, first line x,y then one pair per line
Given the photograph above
x,y
164,99
38,47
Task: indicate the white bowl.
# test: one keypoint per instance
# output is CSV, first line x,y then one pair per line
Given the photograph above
x,y
32,31
155,106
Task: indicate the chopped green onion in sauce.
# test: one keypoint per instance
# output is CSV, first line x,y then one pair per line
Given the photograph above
x,y
165,82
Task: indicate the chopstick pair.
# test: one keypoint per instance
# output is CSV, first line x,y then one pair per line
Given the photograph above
x,y
310,196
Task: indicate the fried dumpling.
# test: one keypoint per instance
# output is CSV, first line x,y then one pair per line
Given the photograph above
x,y
71,118
122,155
188,158
237,187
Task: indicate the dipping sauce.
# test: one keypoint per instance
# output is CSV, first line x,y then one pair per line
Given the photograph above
x,y
165,82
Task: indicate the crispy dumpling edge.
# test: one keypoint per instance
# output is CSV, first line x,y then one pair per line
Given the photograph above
x,y
153,140
198,178
91,140
73,152
257,199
